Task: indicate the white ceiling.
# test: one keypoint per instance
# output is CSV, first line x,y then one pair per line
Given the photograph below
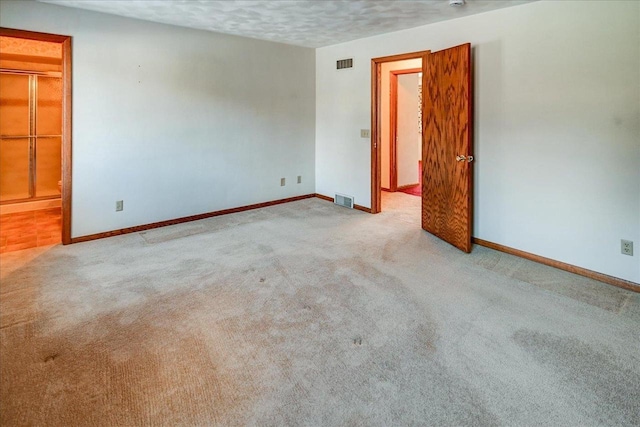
x,y
309,23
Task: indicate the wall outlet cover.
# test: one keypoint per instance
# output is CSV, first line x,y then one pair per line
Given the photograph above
x,y
119,205
626,247
299,179
282,182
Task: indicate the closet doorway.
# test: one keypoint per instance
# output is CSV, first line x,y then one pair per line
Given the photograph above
x,y
35,139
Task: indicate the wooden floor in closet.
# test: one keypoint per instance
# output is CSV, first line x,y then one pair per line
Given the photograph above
x,y
24,230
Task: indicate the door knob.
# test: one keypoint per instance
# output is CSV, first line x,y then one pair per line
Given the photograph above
x,y
462,158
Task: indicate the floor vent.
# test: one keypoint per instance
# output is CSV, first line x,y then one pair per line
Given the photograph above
x,y
344,63
342,200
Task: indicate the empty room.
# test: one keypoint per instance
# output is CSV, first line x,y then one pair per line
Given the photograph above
x,y
319,213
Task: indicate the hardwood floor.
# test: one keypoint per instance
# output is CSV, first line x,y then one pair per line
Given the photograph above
x,y
24,230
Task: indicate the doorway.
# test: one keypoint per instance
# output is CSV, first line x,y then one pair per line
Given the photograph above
x,y
405,128
446,115
382,129
35,139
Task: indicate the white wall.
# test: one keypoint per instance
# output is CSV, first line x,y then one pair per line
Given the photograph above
x,y
409,137
385,120
557,125
175,121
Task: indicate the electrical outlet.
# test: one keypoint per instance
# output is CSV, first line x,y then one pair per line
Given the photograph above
x,y
282,182
299,179
364,133
119,205
626,247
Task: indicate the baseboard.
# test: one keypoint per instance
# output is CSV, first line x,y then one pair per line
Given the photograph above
x,y
139,228
402,187
621,283
330,199
323,197
626,284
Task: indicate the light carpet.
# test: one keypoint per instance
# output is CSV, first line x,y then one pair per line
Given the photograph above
x,y
309,314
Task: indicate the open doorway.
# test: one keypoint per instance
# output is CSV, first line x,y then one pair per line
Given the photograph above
x,y
405,130
396,125
446,114
35,139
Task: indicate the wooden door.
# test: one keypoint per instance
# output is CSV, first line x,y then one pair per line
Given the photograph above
x,y
447,146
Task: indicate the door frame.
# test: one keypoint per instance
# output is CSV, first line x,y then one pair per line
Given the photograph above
x,y
393,124
376,145
65,41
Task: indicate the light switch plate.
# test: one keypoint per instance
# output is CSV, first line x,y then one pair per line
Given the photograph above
x,y
365,133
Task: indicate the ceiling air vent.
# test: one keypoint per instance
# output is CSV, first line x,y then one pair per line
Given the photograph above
x,y
344,63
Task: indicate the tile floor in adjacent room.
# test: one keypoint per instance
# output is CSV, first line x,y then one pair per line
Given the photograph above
x,y
24,230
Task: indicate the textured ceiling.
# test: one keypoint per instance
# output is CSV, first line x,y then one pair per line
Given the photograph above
x,y
310,23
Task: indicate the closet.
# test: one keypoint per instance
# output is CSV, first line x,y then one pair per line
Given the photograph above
x,y
30,135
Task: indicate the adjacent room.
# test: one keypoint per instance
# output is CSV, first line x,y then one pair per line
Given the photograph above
x,y
319,213
30,144
401,126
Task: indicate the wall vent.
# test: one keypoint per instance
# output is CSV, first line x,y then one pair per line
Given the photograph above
x,y
344,63
342,200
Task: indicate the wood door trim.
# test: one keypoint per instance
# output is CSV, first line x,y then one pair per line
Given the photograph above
x,y
66,141
375,137
393,125
400,57
407,71
65,41
621,283
393,132
33,35
376,67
